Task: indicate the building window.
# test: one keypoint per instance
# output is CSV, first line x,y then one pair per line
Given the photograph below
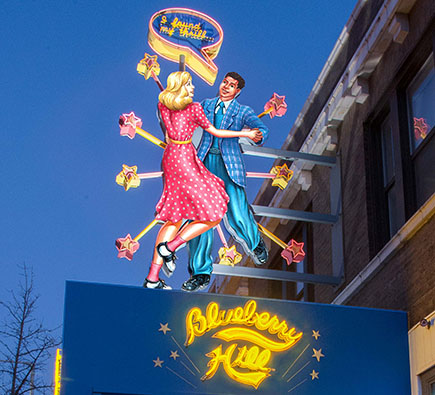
x,y
389,175
421,113
400,149
427,380
421,104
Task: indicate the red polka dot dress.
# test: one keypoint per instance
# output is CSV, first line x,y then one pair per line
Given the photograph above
x,y
190,190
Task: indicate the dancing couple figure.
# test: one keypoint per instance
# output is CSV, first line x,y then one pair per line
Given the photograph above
x,y
191,192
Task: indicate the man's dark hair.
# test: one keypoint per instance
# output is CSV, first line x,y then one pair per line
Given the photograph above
x,y
238,78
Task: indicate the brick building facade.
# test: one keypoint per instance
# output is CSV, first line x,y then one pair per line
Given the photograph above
x,y
373,108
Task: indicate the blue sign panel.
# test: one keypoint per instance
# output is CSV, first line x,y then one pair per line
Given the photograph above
x,y
130,340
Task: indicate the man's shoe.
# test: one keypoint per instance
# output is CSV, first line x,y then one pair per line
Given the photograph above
x,y
155,284
260,253
196,282
169,258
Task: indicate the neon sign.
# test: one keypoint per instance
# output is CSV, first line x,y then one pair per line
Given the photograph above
x,y
249,322
57,372
180,31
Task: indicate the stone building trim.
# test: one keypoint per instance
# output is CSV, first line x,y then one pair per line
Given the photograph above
x,y
390,24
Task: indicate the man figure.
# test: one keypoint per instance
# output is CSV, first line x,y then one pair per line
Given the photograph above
x,y
224,159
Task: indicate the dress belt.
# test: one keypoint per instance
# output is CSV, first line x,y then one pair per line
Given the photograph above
x,y
214,150
178,142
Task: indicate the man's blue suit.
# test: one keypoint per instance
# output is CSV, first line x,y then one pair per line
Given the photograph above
x,y
226,162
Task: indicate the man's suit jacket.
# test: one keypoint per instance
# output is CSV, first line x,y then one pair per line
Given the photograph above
x,y
236,117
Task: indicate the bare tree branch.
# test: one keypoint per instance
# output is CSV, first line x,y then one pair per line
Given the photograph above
x,y
25,344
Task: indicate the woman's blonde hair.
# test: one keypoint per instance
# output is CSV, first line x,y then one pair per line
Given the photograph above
x,y
175,96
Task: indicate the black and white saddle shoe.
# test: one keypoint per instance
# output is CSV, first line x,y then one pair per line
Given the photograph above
x,y
196,283
168,268
169,258
155,284
261,254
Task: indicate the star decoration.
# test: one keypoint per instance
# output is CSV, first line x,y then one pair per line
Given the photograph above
x,y
420,128
148,66
317,354
282,176
126,247
174,354
132,120
276,106
128,177
128,124
316,334
297,250
314,375
158,362
287,255
229,256
164,328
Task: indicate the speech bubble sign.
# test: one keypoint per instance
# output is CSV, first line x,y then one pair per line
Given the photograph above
x,y
180,31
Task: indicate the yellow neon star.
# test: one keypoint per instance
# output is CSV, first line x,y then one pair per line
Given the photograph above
x,y
282,176
128,177
174,354
148,65
164,328
158,362
316,334
229,256
314,375
317,354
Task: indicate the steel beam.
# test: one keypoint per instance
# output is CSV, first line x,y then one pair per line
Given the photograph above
x,y
274,153
270,274
273,212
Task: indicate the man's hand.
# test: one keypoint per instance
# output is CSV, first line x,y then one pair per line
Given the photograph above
x,y
255,135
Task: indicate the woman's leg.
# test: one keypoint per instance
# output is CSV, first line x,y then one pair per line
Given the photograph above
x,y
190,231
167,232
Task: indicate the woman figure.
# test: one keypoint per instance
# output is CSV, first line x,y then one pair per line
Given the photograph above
x,y
190,191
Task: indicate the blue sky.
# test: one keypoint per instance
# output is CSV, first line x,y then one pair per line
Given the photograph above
x,y
68,70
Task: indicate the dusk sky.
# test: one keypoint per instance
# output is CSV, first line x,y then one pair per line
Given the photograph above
x,y
68,70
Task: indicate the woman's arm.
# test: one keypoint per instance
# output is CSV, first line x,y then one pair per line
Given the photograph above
x,y
253,134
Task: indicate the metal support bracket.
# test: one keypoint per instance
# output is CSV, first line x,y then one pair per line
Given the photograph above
x,y
334,219
273,212
270,274
274,153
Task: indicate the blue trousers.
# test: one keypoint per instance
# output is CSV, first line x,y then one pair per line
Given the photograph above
x,y
238,220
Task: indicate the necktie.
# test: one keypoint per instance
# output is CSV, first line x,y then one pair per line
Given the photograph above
x,y
219,115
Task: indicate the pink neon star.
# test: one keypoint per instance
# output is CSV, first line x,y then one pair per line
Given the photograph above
x,y
128,124
278,105
287,255
126,247
297,250
420,128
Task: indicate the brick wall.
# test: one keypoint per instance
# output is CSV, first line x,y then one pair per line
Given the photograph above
x,y
407,281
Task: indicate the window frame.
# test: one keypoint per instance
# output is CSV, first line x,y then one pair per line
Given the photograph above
x,y
427,379
394,104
